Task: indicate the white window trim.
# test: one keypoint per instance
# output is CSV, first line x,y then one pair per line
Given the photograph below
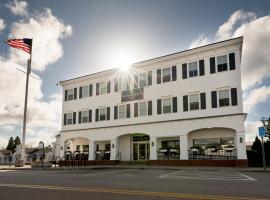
x,y
230,100
197,69
139,112
170,74
228,63
190,94
139,83
164,98
67,113
118,117
70,89
99,113
82,116
105,86
88,91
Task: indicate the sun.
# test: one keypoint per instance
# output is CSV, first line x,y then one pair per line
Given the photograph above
x,y
122,59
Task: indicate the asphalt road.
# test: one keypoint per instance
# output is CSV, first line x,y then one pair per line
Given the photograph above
x,y
139,184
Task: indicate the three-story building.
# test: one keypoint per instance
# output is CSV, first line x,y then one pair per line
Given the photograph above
x,y
186,105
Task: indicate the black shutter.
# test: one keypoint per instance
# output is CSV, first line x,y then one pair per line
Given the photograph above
x,y
184,71
203,101
97,89
174,104
149,108
75,93
159,106
214,99
90,116
66,95
212,65
74,117
150,78
201,66
232,61
108,113
115,85
185,103
65,119
128,110
97,115
135,109
80,117
158,76
136,78
234,96
108,86
90,90
80,92
174,73
115,112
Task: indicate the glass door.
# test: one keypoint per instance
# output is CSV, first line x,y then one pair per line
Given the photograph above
x,y
142,151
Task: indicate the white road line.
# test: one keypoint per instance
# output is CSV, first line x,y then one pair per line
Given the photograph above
x,y
248,177
165,175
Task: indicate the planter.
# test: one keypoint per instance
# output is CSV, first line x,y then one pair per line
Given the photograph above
x,y
40,165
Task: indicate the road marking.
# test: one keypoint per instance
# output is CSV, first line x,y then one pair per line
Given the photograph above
x,y
208,175
129,192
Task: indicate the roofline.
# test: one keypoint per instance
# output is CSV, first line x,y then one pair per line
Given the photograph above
x,y
241,37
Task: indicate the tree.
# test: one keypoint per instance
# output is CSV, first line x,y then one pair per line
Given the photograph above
x,y
17,142
266,124
257,145
10,145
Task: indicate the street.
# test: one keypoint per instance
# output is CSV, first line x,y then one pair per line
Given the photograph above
x,y
118,184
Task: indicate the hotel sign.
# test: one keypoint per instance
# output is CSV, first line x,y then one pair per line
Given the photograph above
x,y
131,95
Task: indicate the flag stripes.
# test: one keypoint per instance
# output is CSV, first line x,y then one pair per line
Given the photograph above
x,y
25,44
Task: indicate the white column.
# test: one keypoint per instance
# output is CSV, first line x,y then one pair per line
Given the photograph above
x,y
183,147
114,149
91,150
153,148
241,145
62,149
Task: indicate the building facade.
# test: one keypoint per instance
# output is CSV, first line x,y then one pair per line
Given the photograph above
x,y
182,106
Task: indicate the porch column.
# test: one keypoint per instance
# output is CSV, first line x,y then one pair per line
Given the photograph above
x,y
153,148
241,145
91,150
183,147
62,149
114,149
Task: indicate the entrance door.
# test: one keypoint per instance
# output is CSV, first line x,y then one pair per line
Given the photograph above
x,y
141,151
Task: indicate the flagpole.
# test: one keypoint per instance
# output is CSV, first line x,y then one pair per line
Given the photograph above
x,y
29,61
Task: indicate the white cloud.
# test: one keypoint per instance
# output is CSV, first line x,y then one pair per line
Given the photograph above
x,y
18,7
2,25
3,142
200,41
256,96
43,117
251,130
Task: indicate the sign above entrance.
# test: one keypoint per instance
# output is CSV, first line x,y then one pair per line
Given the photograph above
x,y
131,95
140,138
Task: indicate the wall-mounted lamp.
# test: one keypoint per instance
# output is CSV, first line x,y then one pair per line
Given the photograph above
x,y
241,140
112,145
153,144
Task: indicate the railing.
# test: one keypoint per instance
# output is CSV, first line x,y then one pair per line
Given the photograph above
x,y
213,155
168,154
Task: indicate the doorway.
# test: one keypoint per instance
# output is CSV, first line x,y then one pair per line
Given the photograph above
x,y
141,150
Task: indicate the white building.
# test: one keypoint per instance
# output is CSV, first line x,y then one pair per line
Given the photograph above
x,y
186,105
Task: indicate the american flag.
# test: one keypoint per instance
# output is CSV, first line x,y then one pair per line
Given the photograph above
x,y
25,44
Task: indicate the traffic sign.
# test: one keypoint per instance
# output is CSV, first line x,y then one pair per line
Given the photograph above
x,y
261,131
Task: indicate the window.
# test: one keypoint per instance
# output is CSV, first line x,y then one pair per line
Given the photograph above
x,y
85,116
167,105
223,97
85,91
142,108
70,94
193,69
143,80
85,148
166,74
194,102
78,147
69,118
122,111
102,114
222,63
102,88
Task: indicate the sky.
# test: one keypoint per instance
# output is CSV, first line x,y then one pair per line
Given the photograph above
x,y
77,37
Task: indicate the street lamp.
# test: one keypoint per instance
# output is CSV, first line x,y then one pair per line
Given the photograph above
x,y
41,145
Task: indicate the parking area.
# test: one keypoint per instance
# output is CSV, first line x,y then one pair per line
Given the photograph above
x,y
140,183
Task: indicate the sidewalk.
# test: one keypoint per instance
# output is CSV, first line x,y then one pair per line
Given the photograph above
x,y
185,168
